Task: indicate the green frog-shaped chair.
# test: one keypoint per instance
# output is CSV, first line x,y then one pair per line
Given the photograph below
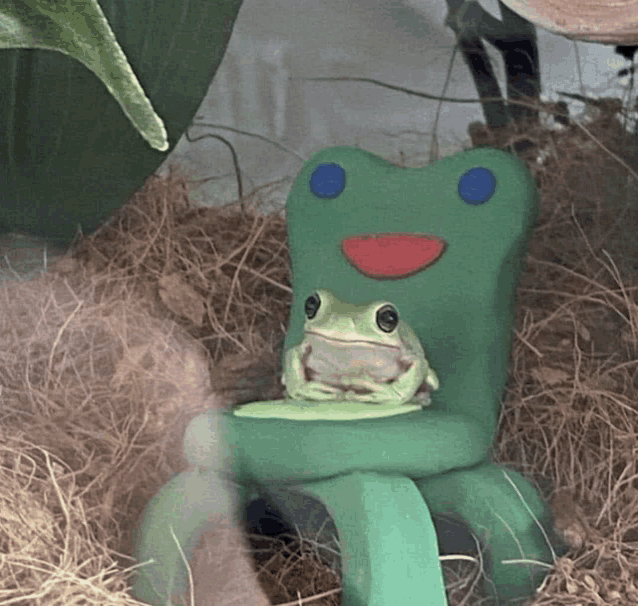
x,y
445,245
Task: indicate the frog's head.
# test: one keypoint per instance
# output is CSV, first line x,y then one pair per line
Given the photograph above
x,y
328,318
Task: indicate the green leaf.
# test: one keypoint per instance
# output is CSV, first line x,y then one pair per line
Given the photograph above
x,y
79,29
68,155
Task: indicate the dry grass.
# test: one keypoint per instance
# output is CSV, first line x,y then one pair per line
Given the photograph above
x,y
571,411
95,397
90,387
222,273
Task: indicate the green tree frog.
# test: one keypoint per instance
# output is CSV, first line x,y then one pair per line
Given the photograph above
x,y
362,353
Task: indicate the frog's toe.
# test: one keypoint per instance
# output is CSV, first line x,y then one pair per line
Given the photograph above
x,y
315,390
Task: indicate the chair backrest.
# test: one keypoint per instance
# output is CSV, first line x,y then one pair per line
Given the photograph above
x,y
355,225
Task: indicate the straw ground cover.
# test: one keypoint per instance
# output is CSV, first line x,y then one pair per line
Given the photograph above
x,y
170,309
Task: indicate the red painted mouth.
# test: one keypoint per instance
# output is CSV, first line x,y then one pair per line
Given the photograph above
x,y
387,256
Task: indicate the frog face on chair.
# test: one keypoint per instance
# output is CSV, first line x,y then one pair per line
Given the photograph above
x,y
363,353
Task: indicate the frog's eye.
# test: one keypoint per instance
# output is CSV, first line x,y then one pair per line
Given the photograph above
x,y
328,181
312,305
387,318
477,185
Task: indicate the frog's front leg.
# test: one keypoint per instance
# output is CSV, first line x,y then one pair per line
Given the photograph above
x,y
300,388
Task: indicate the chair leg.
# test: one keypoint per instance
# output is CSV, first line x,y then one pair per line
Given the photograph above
x,y
505,512
388,543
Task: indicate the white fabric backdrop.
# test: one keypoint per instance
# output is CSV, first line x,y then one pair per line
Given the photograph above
x,y
404,43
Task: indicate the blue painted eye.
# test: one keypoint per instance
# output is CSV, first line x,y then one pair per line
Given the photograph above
x,y
328,181
477,185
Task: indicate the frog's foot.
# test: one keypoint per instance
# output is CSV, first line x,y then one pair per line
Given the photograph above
x,y
316,390
373,392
